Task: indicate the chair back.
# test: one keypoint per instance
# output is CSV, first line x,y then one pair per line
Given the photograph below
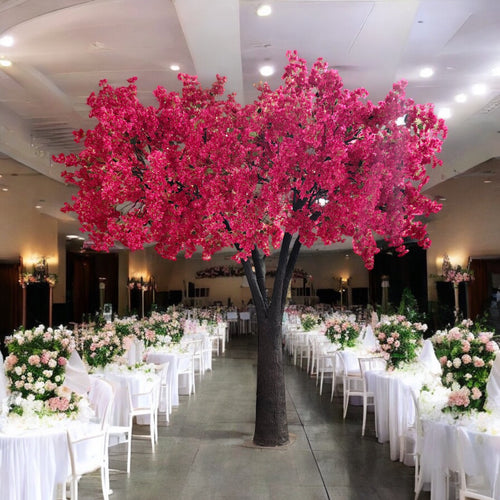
x,y
101,398
372,363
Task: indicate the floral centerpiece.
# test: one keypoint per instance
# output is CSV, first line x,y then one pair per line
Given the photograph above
x,y
309,321
399,339
466,359
35,370
101,346
160,329
342,330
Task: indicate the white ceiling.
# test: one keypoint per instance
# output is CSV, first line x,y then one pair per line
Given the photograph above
x,y
62,48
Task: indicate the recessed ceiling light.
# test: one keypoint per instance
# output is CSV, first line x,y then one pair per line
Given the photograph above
x,y
426,72
6,41
5,63
479,89
264,10
5,189
266,70
444,113
38,206
461,98
175,67
487,181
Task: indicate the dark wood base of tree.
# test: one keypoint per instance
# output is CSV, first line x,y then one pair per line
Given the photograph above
x,y
271,425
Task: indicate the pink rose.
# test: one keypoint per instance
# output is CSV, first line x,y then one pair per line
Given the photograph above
x,y
466,359
34,360
443,360
61,361
478,362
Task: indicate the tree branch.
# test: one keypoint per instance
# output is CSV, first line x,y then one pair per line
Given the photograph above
x,y
260,270
292,260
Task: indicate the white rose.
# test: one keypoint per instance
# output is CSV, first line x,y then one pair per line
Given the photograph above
x,y
457,362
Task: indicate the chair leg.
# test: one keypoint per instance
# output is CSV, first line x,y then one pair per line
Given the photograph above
x,y
129,449
321,383
346,400
364,415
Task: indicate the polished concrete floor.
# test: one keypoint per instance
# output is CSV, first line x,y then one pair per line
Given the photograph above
x,y
201,454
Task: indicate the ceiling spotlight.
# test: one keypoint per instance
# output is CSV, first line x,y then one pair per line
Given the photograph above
x,y
38,206
426,72
5,63
266,70
461,98
175,67
264,10
6,41
444,113
479,89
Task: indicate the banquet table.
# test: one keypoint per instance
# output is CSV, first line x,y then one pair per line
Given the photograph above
x,y
394,408
123,379
440,454
177,360
35,461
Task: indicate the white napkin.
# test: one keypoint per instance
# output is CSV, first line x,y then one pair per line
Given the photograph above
x,y
428,358
369,340
77,378
493,386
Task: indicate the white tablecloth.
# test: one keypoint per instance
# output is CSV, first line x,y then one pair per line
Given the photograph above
x,y
440,454
394,407
177,361
33,462
135,381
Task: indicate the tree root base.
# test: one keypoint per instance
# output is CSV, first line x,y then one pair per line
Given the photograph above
x,y
291,440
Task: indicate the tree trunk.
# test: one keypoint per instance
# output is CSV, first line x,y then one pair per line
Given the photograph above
x,y
271,425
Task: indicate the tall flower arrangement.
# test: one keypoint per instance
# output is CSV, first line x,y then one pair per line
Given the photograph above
x,y
342,330
35,369
399,339
455,274
466,359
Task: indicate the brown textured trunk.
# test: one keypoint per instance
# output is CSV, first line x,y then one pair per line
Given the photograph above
x,y
271,425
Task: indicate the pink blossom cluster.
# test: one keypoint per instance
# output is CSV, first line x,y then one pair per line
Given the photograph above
x,y
455,274
310,158
342,330
58,403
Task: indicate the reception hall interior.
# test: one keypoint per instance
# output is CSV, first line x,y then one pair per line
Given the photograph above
x,y
391,384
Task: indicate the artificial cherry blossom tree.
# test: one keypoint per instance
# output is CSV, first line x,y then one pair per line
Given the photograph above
x,y
308,161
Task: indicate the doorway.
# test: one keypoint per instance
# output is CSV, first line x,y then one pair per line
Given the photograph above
x,y
87,272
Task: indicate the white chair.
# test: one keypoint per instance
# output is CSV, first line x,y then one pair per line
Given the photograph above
x,y
327,365
244,324
195,347
186,368
473,484
369,364
101,396
140,404
232,321
165,390
88,454
301,348
415,434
